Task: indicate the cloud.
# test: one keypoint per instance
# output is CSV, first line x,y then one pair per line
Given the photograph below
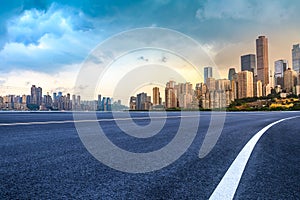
x,y
42,37
276,11
19,81
46,40
32,25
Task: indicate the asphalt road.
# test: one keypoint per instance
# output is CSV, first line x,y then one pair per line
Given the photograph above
x,y
49,161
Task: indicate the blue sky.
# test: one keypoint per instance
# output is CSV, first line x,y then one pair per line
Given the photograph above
x,y
44,42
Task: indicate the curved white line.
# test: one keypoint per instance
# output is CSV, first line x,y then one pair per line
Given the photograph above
x,y
230,181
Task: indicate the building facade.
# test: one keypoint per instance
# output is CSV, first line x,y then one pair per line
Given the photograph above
x,y
290,80
245,84
231,73
280,67
262,58
156,96
208,73
296,57
248,63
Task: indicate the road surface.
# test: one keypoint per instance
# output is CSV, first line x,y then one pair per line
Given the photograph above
x,y
42,157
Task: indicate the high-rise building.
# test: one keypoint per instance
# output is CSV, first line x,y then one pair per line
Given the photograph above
x,y
296,57
108,104
47,100
78,103
132,103
73,102
171,100
245,84
208,73
262,60
231,72
248,63
156,96
143,102
280,67
99,101
33,95
290,80
185,94
36,95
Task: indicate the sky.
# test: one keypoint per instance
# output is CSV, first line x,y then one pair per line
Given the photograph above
x,y
45,42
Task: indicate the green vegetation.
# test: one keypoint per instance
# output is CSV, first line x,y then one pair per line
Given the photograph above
x,y
272,102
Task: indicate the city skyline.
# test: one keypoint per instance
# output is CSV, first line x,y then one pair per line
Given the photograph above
x,y
50,54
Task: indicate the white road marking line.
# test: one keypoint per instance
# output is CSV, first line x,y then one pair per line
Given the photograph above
x,y
230,181
98,120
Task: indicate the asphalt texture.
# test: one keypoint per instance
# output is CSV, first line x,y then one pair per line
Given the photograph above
x,y
49,161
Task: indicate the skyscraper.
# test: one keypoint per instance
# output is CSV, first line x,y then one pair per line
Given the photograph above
x,y
156,96
248,63
231,72
245,84
296,57
207,73
185,94
36,95
280,67
143,102
99,101
171,95
262,59
290,80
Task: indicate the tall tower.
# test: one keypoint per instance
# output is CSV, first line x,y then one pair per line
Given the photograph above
x,y
296,57
207,73
33,98
156,96
248,63
39,93
262,59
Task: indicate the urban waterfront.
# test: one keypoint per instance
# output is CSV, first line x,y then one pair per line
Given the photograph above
x,y
49,161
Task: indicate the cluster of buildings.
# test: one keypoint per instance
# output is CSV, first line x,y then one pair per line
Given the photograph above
x,y
255,79
37,101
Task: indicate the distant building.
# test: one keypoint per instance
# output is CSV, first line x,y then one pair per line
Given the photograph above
x,y
143,102
280,67
258,89
99,102
215,94
296,57
156,96
248,63
208,73
47,101
245,84
108,104
171,100
185,93
231,72
290,80
132,103
262,60
211,84
36,95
